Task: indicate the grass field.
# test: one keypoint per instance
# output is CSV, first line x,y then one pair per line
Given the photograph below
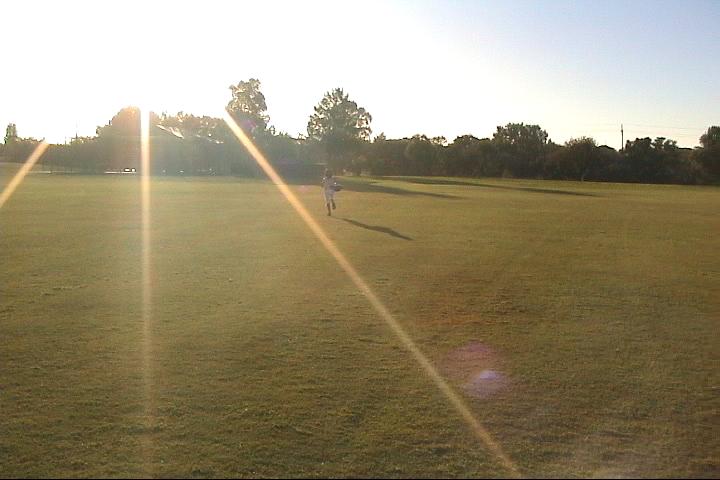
x,y
579,322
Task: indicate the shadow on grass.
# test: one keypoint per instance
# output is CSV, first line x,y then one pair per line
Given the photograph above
x,y
386,230
432,181
374,187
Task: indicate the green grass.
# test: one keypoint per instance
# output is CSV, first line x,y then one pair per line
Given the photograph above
x,y
598,303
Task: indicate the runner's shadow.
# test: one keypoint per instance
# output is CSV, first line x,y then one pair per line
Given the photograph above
x,y
375,228
433,181
375,187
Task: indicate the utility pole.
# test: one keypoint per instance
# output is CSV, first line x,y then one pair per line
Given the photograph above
x,y
622,137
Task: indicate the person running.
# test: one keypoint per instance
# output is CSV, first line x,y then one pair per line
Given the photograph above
x,y
329,184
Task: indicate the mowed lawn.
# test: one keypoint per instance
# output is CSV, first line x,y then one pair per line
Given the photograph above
x,y
578,321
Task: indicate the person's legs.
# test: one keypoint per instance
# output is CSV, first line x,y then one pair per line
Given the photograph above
x,y
329,200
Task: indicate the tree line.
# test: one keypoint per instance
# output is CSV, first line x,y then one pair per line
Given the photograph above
x,y
339,136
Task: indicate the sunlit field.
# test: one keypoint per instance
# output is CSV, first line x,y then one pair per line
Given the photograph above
x,y
578,321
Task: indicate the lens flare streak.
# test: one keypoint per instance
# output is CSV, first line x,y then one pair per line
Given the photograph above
x,y
146,312
20,175
454,399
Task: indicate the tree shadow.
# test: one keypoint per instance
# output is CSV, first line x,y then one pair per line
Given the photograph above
x,y
375,187
386,230
432,181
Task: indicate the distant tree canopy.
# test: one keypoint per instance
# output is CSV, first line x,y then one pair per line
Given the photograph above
x,y
469,156
708,156
119,140
248,108
209,129
340,126
339,136
579,159
522,147
16,148
11,133
650,160
421,155
711,138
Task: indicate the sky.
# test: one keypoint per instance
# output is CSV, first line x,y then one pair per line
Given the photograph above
x,y
439,68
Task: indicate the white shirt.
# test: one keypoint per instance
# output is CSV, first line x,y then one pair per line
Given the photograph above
x,y
328,183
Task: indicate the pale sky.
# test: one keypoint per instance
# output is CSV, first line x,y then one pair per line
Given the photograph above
x,y
438,68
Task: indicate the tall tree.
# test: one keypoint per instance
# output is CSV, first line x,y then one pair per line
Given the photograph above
x,y
582,151
11,133
341,126
17,149
711,138
709,155
248,107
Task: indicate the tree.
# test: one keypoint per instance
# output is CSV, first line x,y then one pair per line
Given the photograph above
x,y
208,147
83,155
652,161
709,155
711,138
422,154
614,167
582,154
248,107
642,160
209,129
386,156
17,149
583,151
579,159
522,147
11,133
341,126
120,140
461,159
